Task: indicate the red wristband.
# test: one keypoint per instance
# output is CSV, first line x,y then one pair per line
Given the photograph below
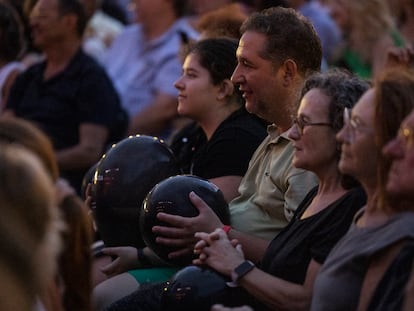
x,y
226,228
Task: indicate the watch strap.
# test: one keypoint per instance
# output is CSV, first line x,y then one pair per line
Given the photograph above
x,y
240,271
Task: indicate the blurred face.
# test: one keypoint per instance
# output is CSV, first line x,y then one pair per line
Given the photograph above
x,y
46,23
48,26
258,80
313,138
340,14
401,151
145,10
358,156
196,92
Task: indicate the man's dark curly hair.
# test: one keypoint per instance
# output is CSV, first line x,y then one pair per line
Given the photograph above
x,y
290,35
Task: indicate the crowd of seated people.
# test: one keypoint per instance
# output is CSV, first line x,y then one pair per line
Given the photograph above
x,y
309,137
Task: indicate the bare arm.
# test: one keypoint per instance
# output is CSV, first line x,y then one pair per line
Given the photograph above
x,y
218,252
154,118
281,294
181,234
87,152
127,259
254,248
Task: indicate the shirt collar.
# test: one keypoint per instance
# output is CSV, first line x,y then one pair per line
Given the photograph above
x,y
275,135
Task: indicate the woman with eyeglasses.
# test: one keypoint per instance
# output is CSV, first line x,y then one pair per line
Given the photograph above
x,y
386,223
284,279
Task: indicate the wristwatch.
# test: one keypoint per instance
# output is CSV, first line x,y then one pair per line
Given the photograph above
x,y
241,270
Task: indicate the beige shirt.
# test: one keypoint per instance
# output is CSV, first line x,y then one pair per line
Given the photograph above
x,y
271,190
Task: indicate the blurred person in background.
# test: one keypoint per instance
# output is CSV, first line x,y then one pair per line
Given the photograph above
x,y
144,61
12,46
68,95
101,29
71,288
325,26
368,31
30,229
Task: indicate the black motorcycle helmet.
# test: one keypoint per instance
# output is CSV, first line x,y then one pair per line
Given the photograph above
x,y
171,196
122,179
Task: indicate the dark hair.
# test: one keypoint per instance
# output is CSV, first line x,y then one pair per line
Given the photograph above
x,y
394,100
11,33
344,89
74,7
289,36
218,56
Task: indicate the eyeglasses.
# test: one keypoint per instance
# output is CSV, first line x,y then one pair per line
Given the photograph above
x,y
348,121
301,124
354,124
406,136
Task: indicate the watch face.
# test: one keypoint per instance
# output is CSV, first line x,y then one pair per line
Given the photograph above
x,y
243,268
